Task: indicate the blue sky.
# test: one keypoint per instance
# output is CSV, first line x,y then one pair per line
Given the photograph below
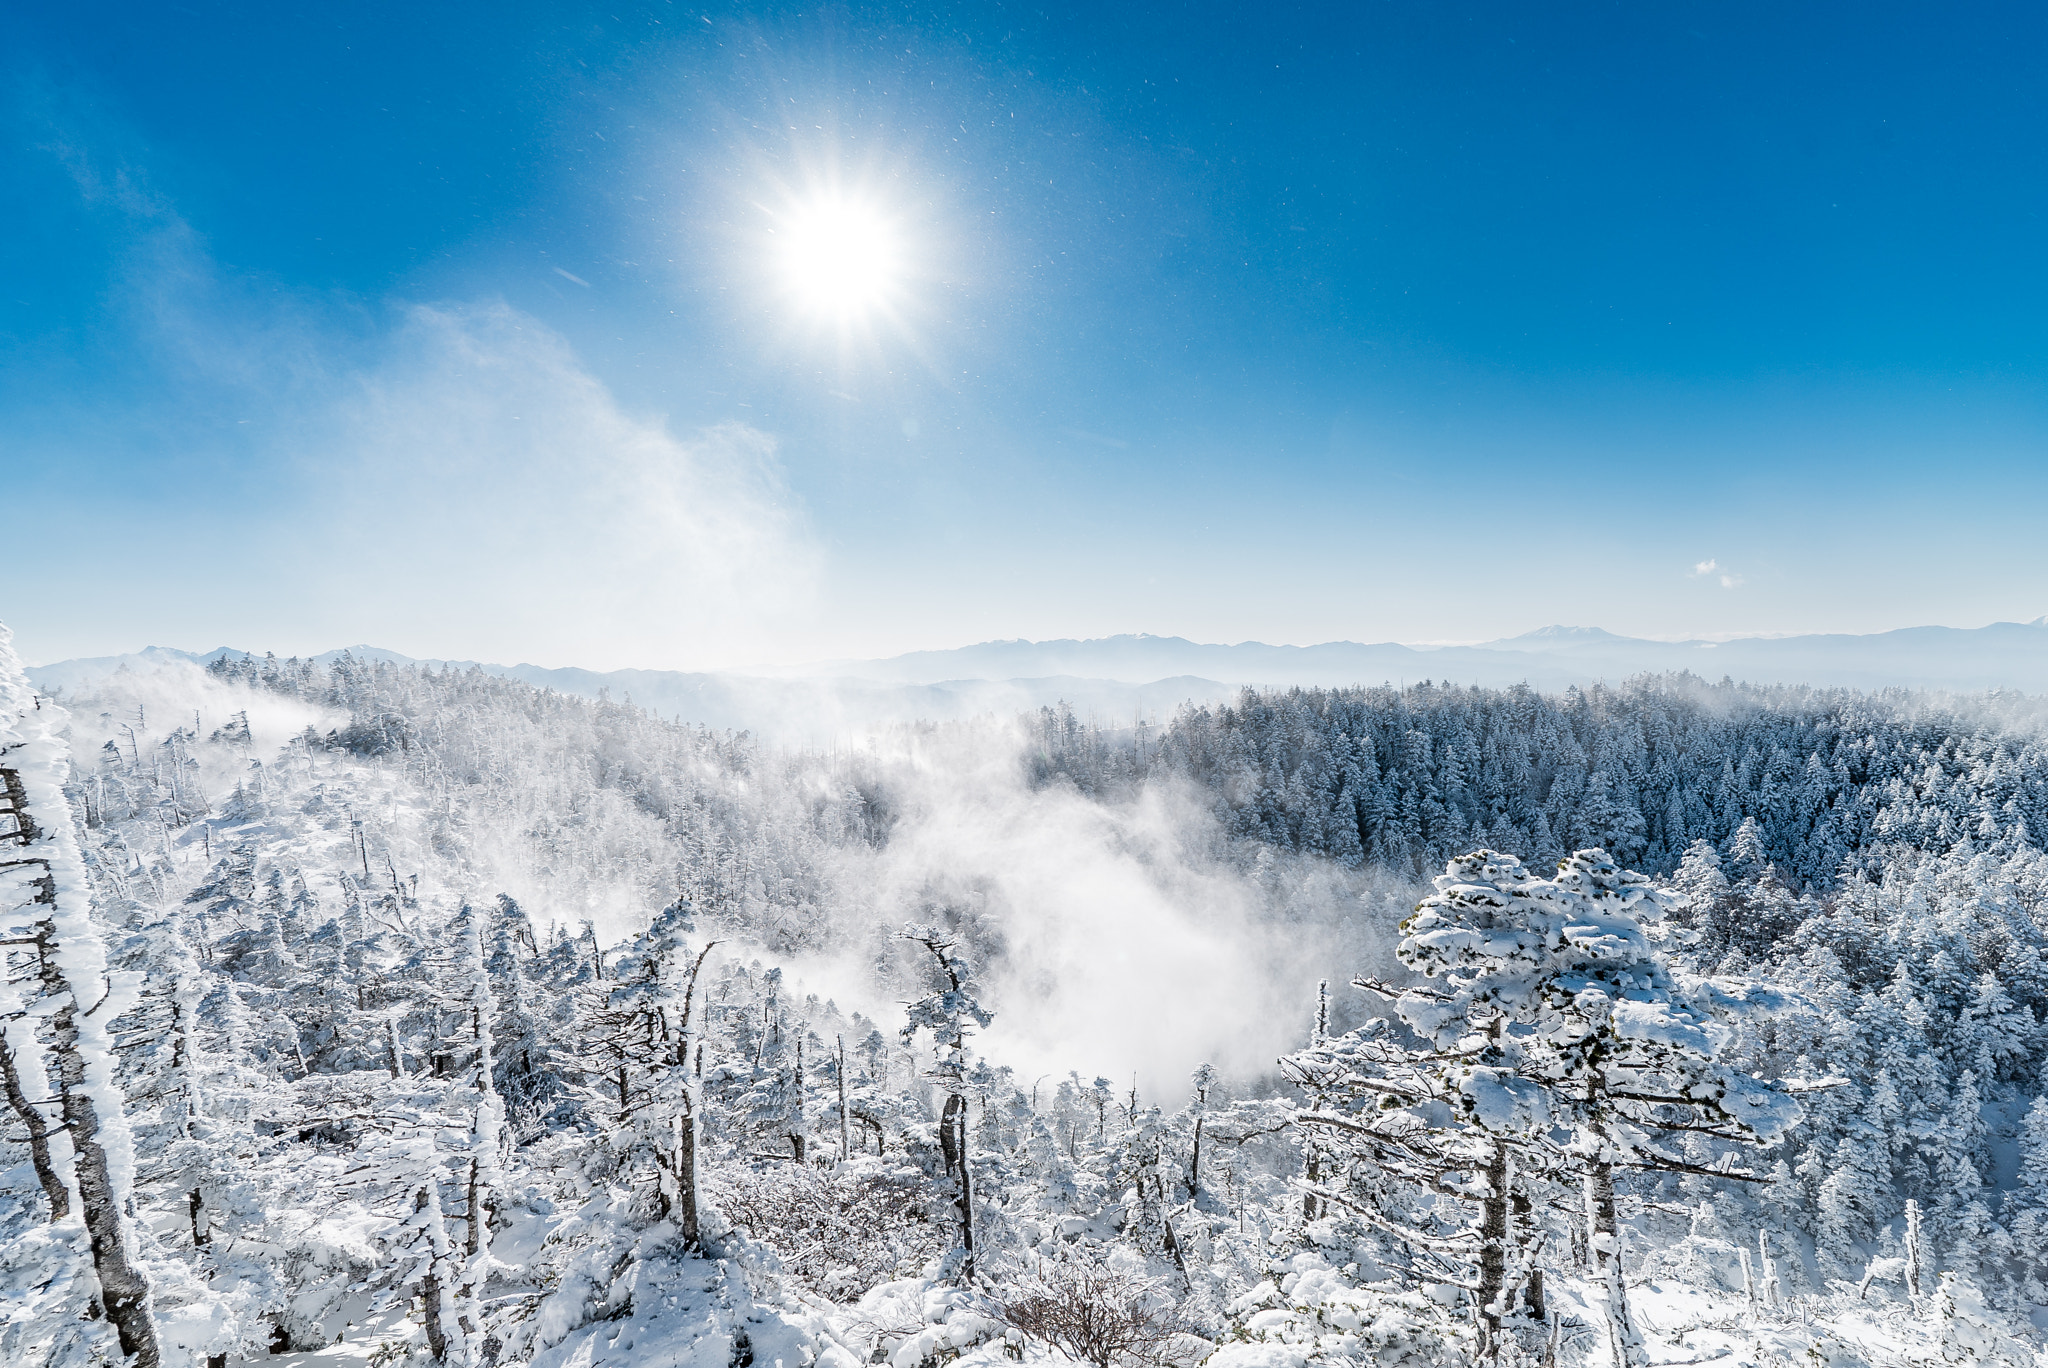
x,y
462,328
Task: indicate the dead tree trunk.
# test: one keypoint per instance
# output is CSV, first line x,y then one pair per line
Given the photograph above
x,y
476,1215
949,1133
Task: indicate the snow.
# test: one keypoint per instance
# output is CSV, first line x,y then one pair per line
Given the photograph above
x,y
677,1310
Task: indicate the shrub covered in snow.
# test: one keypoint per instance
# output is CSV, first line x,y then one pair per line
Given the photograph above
x,y
838,1231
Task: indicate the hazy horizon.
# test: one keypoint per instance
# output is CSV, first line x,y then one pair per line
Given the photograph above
x,y
798,666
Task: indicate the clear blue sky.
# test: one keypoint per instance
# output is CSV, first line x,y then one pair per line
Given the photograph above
x,y
460,328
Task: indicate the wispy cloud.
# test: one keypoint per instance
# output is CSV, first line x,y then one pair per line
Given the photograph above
x,y
1711,567
447,476
494,471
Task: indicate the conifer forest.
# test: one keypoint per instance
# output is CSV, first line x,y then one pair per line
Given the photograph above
x,y
362,1014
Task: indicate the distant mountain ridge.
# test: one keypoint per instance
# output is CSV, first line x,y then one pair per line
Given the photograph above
x,y
1558,635
2001,655
1121,677
2011,655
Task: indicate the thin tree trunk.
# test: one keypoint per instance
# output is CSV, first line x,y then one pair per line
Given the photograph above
x,y
797,1137
1605,1242
845,1147
438,1285
951,1128
1493,1252
966,1203
38,1136
1913,1272
690,1216
686,1181
430,1293
1526,1236
475,1239
1600,1213
182,1064
487,1129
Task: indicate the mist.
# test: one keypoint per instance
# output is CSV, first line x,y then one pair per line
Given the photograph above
x,y
141,708
1121,937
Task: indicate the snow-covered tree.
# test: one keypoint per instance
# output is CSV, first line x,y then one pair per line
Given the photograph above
x,y
1550,1007
58,1002
657,1001
950,1012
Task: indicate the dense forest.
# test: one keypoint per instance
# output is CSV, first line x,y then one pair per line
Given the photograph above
x,y
1829,781
399,1015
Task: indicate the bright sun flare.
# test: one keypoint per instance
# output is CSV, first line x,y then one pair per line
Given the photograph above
x,y
839,258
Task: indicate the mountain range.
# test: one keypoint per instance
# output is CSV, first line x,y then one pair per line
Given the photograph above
x,y
1126,676
2011,655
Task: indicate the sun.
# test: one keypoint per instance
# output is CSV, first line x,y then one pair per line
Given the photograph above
x,y
839,258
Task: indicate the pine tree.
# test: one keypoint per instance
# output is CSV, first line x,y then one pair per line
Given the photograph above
x,y
1994,1037
1704,889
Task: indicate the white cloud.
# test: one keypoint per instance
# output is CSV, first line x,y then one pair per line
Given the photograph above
x,y
507,495
1710,566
